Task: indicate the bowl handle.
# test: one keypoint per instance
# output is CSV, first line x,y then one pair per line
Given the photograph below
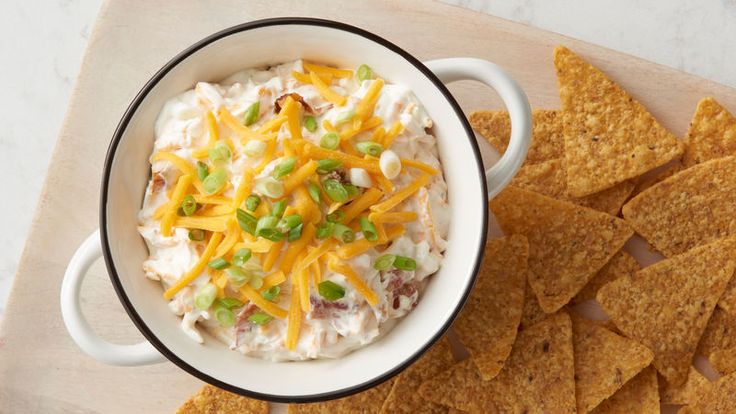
x,y
454,69
124,355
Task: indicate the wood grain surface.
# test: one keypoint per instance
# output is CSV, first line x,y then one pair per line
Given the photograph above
x,y
41,369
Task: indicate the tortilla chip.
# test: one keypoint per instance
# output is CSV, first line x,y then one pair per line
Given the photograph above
x,y
687,393
620,264
720,333
537,377
212,400
489,321
548,178
720,398
604,361
568,244
639,396
609,137
691,208
366,402
712,133
403,397
724,361
532,312
666,306
547,143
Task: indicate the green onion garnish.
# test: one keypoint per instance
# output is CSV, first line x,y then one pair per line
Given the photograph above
x,y
219,263
215,181
252,202
352,190
368,229
241,257
254,148
405,263
271,293
205,296
266,228
329,140
256,282
326,166
310,123
371,148
252,113
246,221
229,303
343,233
364,72
295,233
289,222
344,117
225,316
219,153
336,216
313,190
237,276
270,187
278,208
335,190
384,262
330,290
189,205
196,234
285,168
202,170
260,318
325,230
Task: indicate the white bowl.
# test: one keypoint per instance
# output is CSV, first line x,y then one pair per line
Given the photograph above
x,y
262,43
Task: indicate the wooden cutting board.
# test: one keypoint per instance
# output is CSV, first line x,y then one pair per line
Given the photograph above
x,y
41,369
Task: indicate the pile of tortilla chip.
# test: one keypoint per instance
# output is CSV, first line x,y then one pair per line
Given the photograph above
x,y
567,216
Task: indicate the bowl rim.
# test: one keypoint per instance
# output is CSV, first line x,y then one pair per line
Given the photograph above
x,y
120,131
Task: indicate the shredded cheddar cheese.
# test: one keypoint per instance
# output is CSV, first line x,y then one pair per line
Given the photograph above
x,y
325,70
295,248
401,195
243,131
233,234
274,279
353,278
350,161
327,93
197,269
315,254
272,255
176,199
361,246
295,318
360,204
393,218
216,224
392,133
420,166
258,246
266,305
298,177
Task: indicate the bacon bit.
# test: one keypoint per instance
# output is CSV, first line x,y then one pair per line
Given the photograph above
x,y
397,288
242,324
322,309
295,96
337,175
158,182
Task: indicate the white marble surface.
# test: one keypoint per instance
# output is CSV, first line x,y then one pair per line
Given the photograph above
x,y
43,43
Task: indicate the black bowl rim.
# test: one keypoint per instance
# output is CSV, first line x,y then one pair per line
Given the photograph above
x,y
120,130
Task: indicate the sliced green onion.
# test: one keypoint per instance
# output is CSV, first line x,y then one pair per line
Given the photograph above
x,y
384,262
254,148
266,228
352,190
246,221
336,216
289,222
313,190
278,208
295,233
285,168
256,282
215,181
344,117
405,263
241,257
271,293
364,72
205,296
202,170
371,148
368,229
325,230
331,290
225,316
237,276
219,263
219,152
196,234
252,202
260,318
310,123
335,190
229,303
329,140
189,205
343,233
270,187
326,166
252,113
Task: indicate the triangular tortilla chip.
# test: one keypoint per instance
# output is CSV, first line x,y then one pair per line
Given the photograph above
x,y
568,244
537,377
212,400
691,208
547,143
712,134
488,324
720,333
687,393
621,264
666,306
403,397
609,136
548,178
639,396
724,360
366,402
720,398
604,361
532,312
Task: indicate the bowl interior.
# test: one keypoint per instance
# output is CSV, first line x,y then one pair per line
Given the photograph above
x,y
128,166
